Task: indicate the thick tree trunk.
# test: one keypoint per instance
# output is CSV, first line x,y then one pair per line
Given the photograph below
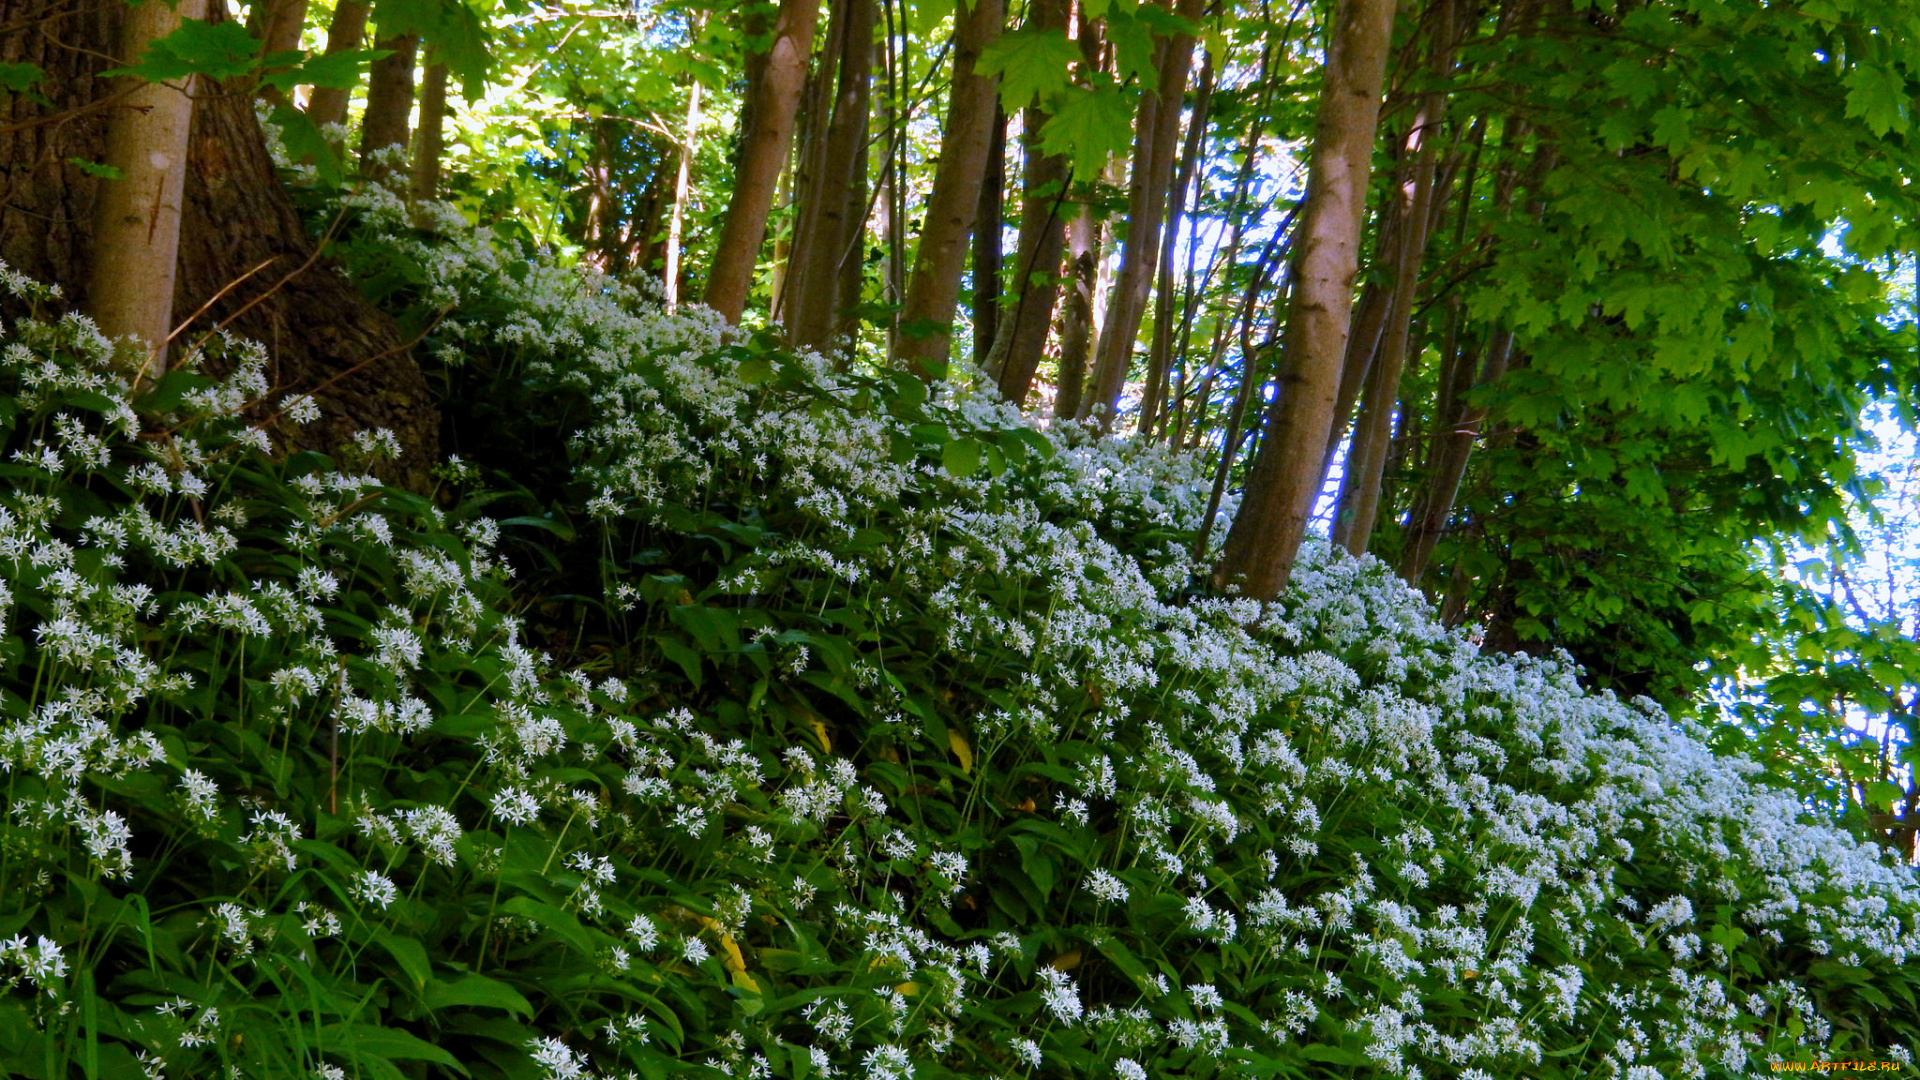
x,y
989,220
1156,134
776,81
933,289
829,228
239,233
383,130
328,105
431,141
136,232
1272,521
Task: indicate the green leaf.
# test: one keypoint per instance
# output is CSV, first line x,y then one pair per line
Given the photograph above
x,y
476,992
218,51
95,168
410,955
1033,65
757,371
336,70
1877,95
363,1041
305,143
1090,126
20,78
961,457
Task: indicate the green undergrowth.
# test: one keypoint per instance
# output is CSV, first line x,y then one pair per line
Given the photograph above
x,y
723,713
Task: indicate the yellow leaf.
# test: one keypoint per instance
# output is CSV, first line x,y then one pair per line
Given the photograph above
x,y
961,750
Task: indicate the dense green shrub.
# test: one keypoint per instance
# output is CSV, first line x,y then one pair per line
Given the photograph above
x,y
819,725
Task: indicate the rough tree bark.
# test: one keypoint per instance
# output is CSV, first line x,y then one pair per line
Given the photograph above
x,y
137,218
239,233
830,223
775,82
328,105
1272,520
933,289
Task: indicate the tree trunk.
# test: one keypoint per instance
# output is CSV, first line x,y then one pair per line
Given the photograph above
x,y
328,105
136,231
1272,521
239,233
1076,320
776,81
383,130
689,142
1156,134
278,24
926,319
809,161
989,221
828,231
600,232
1359,507
1021,338
1160,360
433,121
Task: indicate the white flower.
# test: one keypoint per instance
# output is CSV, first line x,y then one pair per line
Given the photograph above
x,y
375,888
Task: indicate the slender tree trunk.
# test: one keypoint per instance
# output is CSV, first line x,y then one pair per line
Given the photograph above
x,y
433,122
1359,507
1021,337
136,233
278,24
926,319
601,230
1076,320
328,105
1156,134
689,142
775,85
1160,360
792,256
830,223
383,130
1272,521
989,220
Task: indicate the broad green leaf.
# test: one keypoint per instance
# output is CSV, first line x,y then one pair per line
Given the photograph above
x,y
373,1041
19,78
1033,65
476,992
961,457
216,50
1090,126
